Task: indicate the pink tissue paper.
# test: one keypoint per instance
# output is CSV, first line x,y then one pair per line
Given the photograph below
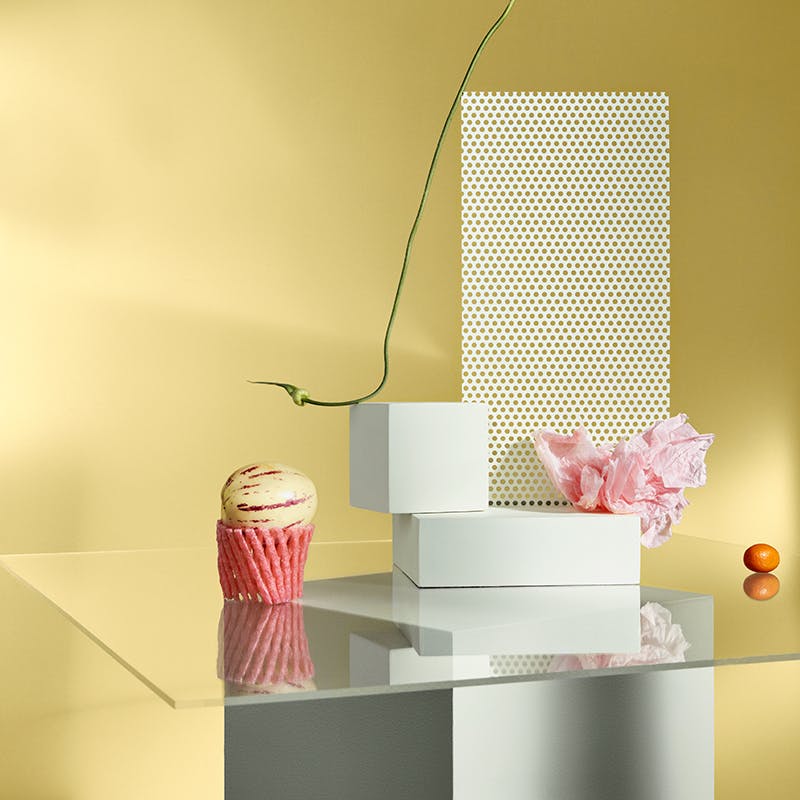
x,y
645,475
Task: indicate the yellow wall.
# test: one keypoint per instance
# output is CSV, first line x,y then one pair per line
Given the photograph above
x,y
196,193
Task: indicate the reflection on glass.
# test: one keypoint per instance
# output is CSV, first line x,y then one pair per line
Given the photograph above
x,y
516,619
761,585
387,657
263,648
662,642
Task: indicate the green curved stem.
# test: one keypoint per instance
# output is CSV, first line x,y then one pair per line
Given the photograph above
x,y
301,396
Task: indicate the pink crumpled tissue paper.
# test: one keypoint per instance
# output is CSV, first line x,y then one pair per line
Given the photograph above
x,y
645,475
662,641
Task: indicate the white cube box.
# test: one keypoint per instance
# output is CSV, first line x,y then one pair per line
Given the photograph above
x,y
510,547
419,457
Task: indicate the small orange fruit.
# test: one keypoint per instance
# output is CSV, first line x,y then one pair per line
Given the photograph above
x,y
761,558
761,586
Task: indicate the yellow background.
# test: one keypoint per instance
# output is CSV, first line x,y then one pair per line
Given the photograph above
x,y
197,193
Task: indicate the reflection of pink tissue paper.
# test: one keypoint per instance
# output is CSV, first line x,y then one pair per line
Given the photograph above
x,y
645,475
663,642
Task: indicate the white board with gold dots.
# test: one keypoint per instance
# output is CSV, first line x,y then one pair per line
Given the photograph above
x,y
565,271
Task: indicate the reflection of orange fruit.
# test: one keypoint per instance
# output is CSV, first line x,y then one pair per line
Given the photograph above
x,y
760,586
761,558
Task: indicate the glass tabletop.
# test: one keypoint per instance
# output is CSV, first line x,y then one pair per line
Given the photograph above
x,y
160,613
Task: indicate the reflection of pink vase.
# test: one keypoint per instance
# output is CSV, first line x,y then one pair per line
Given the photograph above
x,y
264,648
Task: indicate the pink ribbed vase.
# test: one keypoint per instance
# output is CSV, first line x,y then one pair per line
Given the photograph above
x,y
264,564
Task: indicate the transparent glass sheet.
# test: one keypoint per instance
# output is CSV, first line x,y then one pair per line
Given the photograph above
x,y
160,613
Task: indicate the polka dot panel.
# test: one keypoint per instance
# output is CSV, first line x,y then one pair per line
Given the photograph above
x,y
565,271
519,664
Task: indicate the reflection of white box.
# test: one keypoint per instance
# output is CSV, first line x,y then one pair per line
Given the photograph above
x,y
386,657
508,547
530,619
419,457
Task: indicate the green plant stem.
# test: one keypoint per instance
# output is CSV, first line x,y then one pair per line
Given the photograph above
x,y
301,396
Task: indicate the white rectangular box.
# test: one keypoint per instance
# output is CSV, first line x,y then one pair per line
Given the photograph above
x,y
507,547
517,619
419,457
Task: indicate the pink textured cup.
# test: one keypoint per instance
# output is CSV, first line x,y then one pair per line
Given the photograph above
x,y
264,564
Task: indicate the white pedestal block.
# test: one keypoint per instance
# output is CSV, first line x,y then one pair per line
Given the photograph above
x,y
387,657
627,737
507,547
530,619
419,457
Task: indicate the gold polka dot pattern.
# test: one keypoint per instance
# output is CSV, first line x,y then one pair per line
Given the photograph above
x,y
519,664
565,271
